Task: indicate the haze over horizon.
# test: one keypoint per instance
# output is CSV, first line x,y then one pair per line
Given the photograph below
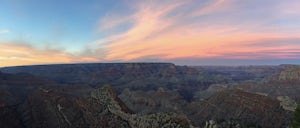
x,y
191,32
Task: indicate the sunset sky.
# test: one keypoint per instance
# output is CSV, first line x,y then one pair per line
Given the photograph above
x,y
184,32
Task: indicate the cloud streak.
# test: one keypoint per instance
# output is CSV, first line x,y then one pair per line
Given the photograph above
x,y
206,29
21,53
5,31
170,30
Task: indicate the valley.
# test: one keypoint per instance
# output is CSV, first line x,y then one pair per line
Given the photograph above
x,y
142,95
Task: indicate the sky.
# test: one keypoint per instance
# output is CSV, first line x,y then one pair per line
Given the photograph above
x,y
184,32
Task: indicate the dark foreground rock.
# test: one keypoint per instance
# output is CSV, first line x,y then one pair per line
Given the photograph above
x,y
102,109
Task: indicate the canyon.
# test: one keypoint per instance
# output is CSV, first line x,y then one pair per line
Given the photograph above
x,y
148,95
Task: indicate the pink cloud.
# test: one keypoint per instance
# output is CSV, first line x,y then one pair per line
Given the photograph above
x,y
160,30
176,29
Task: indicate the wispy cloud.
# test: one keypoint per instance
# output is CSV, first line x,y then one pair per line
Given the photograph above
x,y
109,21
155,30
14,53
4,31
201,29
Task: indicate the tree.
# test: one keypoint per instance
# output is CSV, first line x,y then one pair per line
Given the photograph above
x,y
296,118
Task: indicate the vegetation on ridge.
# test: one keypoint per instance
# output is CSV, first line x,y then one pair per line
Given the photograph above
x,y
296,118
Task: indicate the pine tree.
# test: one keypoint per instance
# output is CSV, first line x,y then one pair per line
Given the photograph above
x,y
296,118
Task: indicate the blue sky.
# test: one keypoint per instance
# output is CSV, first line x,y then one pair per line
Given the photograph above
x,y
191,32
54,22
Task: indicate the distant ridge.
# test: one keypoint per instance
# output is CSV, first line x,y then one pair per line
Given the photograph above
x,y
87,64
142,76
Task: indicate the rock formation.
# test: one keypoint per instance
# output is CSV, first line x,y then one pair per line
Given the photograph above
x,y
285,83
161,100
287,103
245,108
290,72
159,120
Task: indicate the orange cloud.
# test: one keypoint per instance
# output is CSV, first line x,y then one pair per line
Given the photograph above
x,y
12,54
21,54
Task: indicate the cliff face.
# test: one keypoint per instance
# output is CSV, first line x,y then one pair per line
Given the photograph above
x,y
157,120
246,109
290,72
285,83
161,100
14,88
233,108
241,73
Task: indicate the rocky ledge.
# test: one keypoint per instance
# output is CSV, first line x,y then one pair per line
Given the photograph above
x,y
107,96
